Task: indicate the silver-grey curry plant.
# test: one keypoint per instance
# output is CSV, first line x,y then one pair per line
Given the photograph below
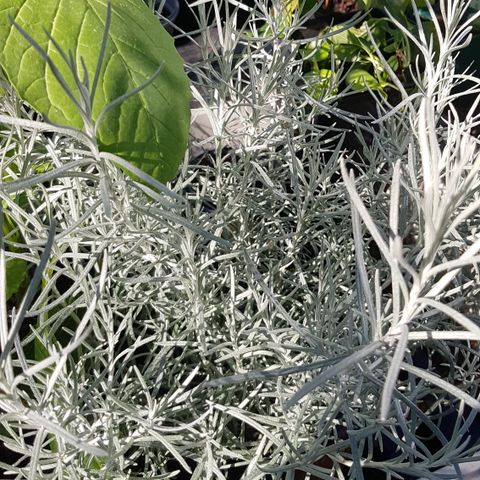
x,y
240,316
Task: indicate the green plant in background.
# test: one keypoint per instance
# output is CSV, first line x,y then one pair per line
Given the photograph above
x,y
148,129
354,48
15,268
16,275
359,48
396,7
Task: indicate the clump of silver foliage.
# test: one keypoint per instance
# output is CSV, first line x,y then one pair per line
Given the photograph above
x,y
240,317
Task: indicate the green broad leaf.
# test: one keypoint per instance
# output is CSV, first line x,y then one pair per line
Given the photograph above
x,y
359,79
317,51
150,128
393,62
16,273
319,82
342,36
347,52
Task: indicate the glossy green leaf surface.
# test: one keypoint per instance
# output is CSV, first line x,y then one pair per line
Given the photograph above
x,y
150,128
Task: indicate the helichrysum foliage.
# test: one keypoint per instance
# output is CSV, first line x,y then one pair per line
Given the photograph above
x,y
264,310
